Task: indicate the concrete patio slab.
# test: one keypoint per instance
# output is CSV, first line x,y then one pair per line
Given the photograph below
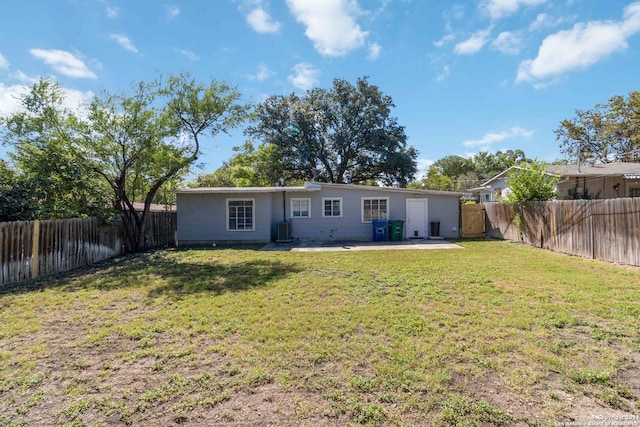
x,y
318,246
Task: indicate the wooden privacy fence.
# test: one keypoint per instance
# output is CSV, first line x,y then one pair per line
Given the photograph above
x,y
30,249
607,229
160,230
472,221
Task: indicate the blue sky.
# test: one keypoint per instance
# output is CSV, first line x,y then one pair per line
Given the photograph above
x,y
465,76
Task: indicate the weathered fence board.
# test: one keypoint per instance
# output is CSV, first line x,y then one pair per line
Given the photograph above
x,y
66,244
606,229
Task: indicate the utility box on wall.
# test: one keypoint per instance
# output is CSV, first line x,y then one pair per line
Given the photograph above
x,y
283,232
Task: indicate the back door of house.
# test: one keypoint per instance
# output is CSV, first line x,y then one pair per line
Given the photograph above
x,y
416,223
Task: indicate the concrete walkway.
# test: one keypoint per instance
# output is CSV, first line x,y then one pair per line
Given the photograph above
x,y
317,245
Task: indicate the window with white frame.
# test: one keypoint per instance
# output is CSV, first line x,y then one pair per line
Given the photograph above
x,y
240,214
300,208
375,209
332,207
633,191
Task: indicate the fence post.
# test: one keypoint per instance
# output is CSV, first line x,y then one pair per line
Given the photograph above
x,y
35,249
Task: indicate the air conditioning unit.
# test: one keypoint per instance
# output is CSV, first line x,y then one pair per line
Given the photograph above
x,y
283,232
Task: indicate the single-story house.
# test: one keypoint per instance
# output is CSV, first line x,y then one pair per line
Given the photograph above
x,y
587,181
315,211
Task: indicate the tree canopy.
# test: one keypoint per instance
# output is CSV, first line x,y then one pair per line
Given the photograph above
x,y
606,133
250,167
331,134
131,144
462,173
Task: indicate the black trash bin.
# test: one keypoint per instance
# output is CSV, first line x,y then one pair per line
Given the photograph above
x,y
435,228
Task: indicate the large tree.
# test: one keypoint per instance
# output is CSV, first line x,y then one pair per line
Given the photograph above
x,y
331,134
608,132
54,184
135,143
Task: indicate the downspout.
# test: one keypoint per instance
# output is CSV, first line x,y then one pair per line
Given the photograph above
x,y
284,206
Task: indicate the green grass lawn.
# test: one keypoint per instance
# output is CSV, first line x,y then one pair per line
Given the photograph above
x,y
493,334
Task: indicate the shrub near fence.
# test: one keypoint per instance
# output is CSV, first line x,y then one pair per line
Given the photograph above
x,y
607,229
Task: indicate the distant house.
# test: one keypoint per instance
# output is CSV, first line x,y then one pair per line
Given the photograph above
x,y
315,211
139,207
590,181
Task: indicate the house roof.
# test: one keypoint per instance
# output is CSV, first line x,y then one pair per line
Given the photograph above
x,y
625,169
604,169
312,186
203,190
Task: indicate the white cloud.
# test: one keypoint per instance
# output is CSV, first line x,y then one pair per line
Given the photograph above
x,y
580,47
444,73
445,39
423,166
542,20
473,44
263,73
330,25
64,62
305,76
3,62
124,42
493,137
23,78
10,97
189,54
171,11
260,21
374,51
74,100
508,43
497,9
112,12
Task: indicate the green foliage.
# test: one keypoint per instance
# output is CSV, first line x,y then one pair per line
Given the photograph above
x,y
608,132
125,147
16,200
251,167
433,180
51,180
458,173
531,182
331,133
459,411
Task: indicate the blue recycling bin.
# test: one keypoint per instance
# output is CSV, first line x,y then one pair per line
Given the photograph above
x,y
380,230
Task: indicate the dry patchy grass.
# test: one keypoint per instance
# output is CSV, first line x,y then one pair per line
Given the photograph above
x,y
495,334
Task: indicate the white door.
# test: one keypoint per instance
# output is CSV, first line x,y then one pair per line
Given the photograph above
x,y
416,223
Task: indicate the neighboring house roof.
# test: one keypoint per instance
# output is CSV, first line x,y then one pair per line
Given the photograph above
x,y
310,186
505,172
625,169
139,206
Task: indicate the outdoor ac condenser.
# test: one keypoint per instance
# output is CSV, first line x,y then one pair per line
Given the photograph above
x,y
283,232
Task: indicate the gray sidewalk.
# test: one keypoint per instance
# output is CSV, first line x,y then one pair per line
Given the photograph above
x,y
318,245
